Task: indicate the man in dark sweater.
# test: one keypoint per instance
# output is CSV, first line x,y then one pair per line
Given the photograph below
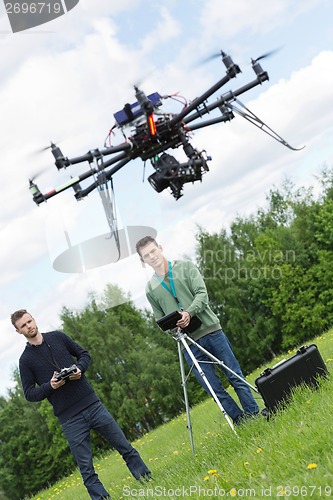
x,y
74,401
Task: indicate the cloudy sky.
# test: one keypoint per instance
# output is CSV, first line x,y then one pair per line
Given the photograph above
x,y
62,81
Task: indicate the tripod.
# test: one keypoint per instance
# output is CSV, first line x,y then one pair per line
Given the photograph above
x,y
181,337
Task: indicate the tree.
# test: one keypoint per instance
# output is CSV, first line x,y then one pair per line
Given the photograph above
x,y
25,440
270,280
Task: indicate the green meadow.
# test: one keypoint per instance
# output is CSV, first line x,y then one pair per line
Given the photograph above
x,y
289,455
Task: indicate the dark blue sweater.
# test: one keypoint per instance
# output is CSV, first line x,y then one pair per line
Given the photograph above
x,y
37,365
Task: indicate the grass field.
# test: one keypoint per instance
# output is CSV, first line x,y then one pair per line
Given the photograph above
x,y
289,455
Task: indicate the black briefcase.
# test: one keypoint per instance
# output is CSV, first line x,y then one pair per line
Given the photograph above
x,y
305,367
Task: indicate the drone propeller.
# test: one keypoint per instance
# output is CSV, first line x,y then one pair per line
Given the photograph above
x,y
232,68
143,78
210,58
256,66
45,148
267,54
222,54
37,174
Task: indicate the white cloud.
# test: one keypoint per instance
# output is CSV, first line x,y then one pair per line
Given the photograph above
x,y
167,28
256,17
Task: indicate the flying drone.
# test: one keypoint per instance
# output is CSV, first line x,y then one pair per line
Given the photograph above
x,y
149,134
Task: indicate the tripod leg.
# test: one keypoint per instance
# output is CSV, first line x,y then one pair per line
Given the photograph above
x,y
187,406
202,374
219,362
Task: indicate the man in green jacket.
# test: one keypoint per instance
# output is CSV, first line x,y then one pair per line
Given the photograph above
x,y
178,285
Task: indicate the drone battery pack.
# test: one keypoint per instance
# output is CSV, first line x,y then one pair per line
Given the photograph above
x,y
122,117
275,384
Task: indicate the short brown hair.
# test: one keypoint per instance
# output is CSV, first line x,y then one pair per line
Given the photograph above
x,y
17,315
143,242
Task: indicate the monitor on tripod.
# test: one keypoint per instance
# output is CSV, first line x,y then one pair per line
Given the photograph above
x,y
169,321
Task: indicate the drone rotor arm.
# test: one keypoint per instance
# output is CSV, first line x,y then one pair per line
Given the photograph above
x,y
39,197
199,100
125,146
91,155
227,97
225,118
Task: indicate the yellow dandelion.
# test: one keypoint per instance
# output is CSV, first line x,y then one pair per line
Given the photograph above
x,y
175,452
312,466
206,478
233,492
259,450
211,471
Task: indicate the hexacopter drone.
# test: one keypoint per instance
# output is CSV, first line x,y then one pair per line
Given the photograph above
x,y
149,133
153,132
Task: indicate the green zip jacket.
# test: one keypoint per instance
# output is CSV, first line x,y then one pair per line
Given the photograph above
x,y
191,292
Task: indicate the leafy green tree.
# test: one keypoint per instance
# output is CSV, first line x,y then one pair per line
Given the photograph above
x,y
235,278
270,279
26,464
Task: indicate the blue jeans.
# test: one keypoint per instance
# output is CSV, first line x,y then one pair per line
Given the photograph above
x,y
217,344
77,431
